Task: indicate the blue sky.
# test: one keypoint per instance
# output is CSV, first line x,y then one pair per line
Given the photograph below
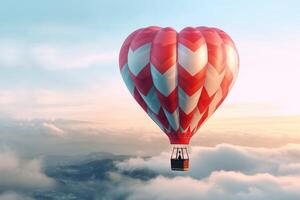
x,y
28,20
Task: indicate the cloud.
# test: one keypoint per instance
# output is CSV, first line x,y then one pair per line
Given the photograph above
x,y
54,130
159,163
221,172
53,57
81,103
206,160
18,174
30,137
34,137
219,185
14,196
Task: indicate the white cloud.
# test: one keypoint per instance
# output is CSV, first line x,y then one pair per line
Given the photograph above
x,y
206,160
218,186
222,172
16,173
54,130
160,163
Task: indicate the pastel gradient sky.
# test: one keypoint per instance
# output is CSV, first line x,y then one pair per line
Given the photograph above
x,y
59,60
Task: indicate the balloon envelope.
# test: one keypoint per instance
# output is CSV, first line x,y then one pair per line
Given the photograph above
x,y
179,79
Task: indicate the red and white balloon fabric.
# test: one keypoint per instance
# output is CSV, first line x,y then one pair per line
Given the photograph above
x,y
179,79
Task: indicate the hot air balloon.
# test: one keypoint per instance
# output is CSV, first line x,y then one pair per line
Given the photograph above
x,y
179,79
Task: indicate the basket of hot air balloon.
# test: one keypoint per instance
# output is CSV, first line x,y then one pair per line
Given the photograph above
x,y
179,79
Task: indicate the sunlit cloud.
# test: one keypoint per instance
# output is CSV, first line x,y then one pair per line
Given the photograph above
x,y
282,161
17,174
219,185
56,131
224,171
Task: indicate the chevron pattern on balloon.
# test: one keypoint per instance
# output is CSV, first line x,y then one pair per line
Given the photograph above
x,y
164,73
179,79
192,60
165,83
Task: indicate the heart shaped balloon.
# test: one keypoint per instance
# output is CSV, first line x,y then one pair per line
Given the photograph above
x,y
179,79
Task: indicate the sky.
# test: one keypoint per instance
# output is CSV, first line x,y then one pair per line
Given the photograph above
x,y
59,60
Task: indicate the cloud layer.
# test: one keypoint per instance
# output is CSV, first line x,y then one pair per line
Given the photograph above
x,y
217,173
219,185
222,172
38,136
17,174
224,157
